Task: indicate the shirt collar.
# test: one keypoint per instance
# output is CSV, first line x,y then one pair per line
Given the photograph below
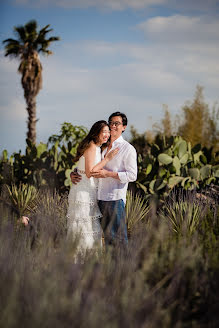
x,y
118,140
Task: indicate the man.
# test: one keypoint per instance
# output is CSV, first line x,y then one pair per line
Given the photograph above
x,y
113,182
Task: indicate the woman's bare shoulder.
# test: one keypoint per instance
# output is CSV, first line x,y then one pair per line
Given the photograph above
x,y
91,148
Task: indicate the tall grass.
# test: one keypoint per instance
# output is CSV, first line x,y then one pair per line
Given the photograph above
x,y
162,279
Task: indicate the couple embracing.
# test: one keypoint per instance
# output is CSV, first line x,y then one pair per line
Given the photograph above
x,y
106,164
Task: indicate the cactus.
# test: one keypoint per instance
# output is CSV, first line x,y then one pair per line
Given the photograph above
x,y
177,165
149,168
5,155
41,150
205,171
215,170
194,173
165,159
157,185
173,181
197,156
182,149
184,159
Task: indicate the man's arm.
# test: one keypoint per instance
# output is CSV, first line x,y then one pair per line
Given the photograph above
x,y
130,172
128,175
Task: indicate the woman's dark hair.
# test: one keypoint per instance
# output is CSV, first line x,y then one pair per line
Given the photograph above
x,y
123,116
93,135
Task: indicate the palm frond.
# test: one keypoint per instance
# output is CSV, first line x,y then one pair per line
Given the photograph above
x,y
21,33
53,38
10,41
31,26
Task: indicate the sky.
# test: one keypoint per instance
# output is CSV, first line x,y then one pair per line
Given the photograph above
x,y
134,56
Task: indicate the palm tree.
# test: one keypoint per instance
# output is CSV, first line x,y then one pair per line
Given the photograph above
x,y
26,48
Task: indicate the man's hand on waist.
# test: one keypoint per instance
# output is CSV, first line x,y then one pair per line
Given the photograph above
x,y
75,177
104,174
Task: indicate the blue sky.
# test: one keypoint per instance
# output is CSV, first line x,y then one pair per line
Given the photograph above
x,y
132,56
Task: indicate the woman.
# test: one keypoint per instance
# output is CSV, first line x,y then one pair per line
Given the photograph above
x,y
83,211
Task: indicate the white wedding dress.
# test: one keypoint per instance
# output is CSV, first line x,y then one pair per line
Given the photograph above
x,y
83,217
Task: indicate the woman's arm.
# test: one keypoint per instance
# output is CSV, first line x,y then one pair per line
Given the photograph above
x,y
90,154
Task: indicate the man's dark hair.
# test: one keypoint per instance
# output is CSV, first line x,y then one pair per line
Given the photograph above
x,y
123,116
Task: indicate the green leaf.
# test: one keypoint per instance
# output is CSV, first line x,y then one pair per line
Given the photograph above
x,y
185,181
173,181
216,173
177,165
189,148
184,159
203,159
194,173
67,182
41,148
162,172
5,155
205,171
141,186
210,180
67,173
196,157
151,186
149,168
164,159
162,185
182,148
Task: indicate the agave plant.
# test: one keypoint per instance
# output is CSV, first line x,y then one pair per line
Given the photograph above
x,y
136,209
183,216
24,198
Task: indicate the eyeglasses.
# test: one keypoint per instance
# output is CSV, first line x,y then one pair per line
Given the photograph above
x,y
114,123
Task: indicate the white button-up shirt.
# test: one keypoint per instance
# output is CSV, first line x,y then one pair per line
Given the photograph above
x,y
125,163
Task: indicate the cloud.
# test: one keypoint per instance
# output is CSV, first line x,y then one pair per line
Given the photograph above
x,y
138,80
116,5
14,110
192,6
180,29
119,5
11,95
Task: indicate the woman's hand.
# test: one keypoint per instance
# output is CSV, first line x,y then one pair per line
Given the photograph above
x,y
111,154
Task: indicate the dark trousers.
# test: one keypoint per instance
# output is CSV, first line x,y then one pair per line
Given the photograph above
x,y
113,221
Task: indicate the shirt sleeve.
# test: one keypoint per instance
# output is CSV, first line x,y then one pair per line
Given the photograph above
x,y
130,162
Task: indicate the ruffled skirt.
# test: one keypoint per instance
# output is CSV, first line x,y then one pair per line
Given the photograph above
x,y
83,217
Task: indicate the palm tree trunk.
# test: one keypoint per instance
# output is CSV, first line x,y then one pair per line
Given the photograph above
x,y
31,124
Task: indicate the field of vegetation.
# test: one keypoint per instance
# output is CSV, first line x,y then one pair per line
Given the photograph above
x,y
167,276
